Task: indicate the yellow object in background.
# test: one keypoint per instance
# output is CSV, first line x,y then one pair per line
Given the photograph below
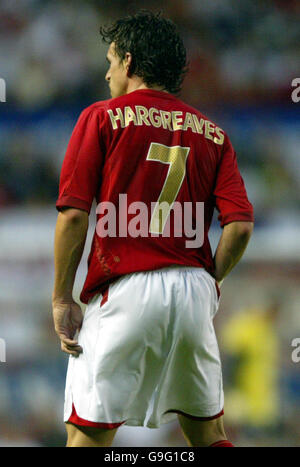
x,y
250,341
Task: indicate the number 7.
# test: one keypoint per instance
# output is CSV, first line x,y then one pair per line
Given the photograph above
x,y
176,157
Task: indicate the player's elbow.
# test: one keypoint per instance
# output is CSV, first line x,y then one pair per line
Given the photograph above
x,y
74,216
246,229
241,230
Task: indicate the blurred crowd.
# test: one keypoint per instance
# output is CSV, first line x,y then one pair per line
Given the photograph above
x,y
242,57
51,51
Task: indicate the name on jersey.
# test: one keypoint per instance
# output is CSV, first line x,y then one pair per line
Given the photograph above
x,y
172,121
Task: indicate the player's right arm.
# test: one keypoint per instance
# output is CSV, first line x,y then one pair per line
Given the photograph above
x,y
231,247
79,184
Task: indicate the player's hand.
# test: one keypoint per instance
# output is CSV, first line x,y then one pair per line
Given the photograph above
x,y
67,321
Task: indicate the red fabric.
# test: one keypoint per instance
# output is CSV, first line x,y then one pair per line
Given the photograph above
x,y
107,156
82,422
104,297
224,443
218,289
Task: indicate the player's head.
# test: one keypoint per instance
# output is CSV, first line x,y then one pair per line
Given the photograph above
x,y
147,46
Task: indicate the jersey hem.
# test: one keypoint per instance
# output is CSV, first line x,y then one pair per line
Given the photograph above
x,y
236,217
72,202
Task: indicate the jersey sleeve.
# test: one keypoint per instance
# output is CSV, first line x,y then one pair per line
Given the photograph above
x,y
230,192
81,170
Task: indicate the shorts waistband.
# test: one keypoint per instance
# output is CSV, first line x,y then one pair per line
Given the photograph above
x,y
181,267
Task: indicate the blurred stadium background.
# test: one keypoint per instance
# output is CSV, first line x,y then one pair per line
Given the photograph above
x,y
243,57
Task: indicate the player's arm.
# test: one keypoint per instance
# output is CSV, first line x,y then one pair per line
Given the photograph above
x,y
70,237
235,212
231,247
79,184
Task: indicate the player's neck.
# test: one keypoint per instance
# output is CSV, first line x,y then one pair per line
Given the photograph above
x,y
135,85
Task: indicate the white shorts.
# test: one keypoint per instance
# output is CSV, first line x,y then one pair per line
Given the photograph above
x,y
153,340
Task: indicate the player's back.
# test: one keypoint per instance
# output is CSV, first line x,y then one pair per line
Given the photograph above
x,y
163,153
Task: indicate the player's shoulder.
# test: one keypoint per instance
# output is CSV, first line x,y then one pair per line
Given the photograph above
x,y
193,110
207,123
101,107
96,107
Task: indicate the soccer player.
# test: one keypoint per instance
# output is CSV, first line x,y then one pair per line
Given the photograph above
x,y
157,168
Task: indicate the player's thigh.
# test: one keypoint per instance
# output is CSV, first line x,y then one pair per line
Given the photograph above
x,y
202,433
85,436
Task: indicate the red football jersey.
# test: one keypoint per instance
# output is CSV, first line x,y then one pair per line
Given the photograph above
x,y
132,154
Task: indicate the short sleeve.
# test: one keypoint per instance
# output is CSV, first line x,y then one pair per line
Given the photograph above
x,y
230,192
82,166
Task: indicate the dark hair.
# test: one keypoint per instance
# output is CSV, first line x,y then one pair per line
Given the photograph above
x,y
158,52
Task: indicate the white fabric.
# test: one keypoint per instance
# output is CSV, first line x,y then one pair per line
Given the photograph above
x,y
152,340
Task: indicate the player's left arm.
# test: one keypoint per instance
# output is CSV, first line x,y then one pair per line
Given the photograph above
x,y
70,236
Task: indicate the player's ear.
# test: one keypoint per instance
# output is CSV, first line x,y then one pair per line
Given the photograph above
x,y
128,63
